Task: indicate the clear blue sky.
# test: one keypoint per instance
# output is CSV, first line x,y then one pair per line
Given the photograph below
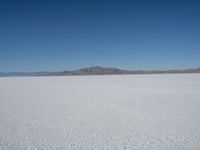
x,y
38,35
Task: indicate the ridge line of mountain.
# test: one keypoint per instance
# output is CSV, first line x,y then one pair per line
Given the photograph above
x,y
98,70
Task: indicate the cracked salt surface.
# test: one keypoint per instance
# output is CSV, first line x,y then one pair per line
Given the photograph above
x,y
121,112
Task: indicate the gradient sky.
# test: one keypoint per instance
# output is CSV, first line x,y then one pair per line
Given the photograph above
x,y
38,35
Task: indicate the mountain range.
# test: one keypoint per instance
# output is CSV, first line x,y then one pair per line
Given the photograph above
x,y
98,70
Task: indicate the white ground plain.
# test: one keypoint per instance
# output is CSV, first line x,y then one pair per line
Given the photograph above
x,y
116,112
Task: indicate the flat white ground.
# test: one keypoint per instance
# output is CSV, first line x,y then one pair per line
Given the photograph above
x,y
142,112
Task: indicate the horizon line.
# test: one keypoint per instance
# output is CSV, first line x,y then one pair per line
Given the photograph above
x,y
121,68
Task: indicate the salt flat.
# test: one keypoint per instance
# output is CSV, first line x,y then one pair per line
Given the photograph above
x,y
116,112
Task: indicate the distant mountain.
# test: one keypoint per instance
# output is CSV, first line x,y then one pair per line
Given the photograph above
x,y
98,70
197,70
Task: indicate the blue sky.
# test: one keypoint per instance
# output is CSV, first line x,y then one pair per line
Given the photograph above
x,y
38,35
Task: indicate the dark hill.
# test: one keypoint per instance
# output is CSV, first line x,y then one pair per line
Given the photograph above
x,y
97,70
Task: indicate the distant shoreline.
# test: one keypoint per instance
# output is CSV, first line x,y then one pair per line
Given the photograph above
x,y
98,70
